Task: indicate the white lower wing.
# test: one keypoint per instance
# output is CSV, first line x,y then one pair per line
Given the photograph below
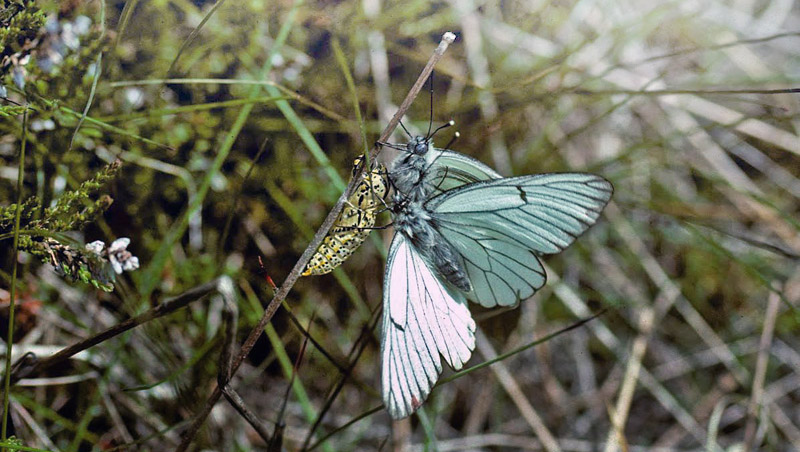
x,y
422,319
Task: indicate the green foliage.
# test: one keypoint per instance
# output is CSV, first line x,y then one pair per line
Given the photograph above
x,y
71,212
13,443
8,111
20,22
30,209
75,208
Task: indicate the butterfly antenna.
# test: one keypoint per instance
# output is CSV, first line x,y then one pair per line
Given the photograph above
x,y
428,136
406,130
443,126
452,140
396,146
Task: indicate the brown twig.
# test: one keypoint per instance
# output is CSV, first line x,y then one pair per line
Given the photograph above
x,y
29,365
283,291
230,321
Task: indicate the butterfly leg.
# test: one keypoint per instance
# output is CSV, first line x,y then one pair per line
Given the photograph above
x,y
363,228
444,177
381,199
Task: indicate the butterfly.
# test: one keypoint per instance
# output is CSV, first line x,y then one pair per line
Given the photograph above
x,y
355,222
464,232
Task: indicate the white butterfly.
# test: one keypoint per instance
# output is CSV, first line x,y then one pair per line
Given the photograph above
x,y
463,232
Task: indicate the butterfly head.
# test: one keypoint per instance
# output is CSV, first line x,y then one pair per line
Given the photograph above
x,y
419,145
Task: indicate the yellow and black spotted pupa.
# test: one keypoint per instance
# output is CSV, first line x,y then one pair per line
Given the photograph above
x,y
354,223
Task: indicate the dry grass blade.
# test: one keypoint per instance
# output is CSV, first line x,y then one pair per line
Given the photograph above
x,y
755,406
517,396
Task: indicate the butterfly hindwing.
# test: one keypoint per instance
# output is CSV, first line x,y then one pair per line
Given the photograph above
x,y
449,169
499,227
422,319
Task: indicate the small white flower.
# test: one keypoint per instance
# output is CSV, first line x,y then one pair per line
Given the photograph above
x,y
96,247
38,125
134,97
52,25
121,259
18,76
119,245
81,25
131,264
69,37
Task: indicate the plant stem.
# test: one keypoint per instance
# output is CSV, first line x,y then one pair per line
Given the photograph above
x,y
11,302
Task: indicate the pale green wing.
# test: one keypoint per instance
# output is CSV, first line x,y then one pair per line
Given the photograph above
x,y
499,227
450,169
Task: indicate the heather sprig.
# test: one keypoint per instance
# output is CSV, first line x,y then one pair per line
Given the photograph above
x,y
75,209
94,264
20,27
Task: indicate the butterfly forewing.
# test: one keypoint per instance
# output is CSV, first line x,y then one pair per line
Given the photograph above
x,y
422,319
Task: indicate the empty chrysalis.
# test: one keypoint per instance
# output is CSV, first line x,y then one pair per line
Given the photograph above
x,y
354,223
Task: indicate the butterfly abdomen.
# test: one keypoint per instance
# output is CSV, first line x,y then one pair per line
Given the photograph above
x,y
414,222
446,261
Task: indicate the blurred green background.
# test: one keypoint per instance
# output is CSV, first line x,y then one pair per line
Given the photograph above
x,y
684,106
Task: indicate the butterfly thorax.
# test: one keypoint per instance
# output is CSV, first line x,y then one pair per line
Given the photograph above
x,y
409,170
411,219
414,221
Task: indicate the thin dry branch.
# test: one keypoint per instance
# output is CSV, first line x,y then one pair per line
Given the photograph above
x,y
283,291
357,349
28,364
